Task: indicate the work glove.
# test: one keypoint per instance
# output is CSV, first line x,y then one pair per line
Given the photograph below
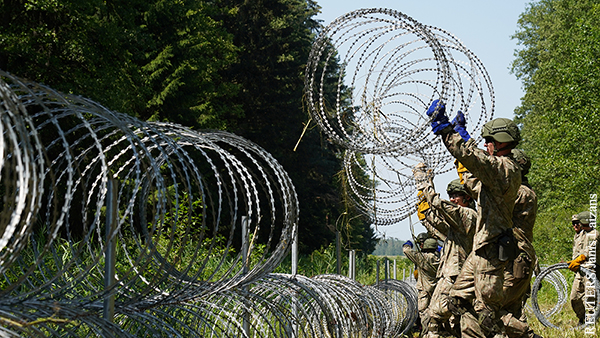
x,y
421,175
409,243
460,169
440,121
460,126
574,264
422,205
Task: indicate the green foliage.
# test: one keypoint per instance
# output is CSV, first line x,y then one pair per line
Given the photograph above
x,y
228,64
389,247
157,59
560,113
275,38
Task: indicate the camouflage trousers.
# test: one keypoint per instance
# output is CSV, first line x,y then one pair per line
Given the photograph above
x,y
423,301
516,291
578,297
440,317
480,283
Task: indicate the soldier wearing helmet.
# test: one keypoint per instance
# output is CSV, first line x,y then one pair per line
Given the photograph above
x,y
518,273
426,263
455,219
500,134
584,241
477,294
421,238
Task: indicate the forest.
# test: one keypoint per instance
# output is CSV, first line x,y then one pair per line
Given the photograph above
x,y
227,64
239,66
389,247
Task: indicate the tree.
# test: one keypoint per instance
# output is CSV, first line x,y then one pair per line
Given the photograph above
x,y
560,113
235,65
275,38
151,59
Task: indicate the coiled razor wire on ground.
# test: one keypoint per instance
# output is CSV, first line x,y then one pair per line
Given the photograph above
x,y
77,177
561,287
392,68
550,271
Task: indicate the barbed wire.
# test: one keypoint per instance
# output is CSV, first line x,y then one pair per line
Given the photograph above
x,y
550,273
561,287
392,68
177,206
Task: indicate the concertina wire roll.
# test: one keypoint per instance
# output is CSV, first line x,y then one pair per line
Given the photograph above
x,y
392,68
179,199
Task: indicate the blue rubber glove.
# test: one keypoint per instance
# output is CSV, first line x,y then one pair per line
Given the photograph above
x,y
440,122
439,248
460,126
409,243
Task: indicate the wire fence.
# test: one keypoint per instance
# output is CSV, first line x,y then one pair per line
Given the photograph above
x,y
111,226
392,68
115,227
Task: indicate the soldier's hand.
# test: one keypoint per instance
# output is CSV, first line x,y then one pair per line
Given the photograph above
x,y
574,264
422,175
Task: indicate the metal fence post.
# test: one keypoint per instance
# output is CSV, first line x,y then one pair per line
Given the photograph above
x,y
377,273
338,252
111,243
245,268
352,265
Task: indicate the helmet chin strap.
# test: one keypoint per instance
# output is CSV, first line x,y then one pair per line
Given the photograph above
x,y
503,148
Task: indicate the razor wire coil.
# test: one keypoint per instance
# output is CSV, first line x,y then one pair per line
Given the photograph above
x,y
392,68
544,318
181,199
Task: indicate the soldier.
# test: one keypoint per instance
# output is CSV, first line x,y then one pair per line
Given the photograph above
x,y
426,263
421,238
518,273
455,220
584,239
477,293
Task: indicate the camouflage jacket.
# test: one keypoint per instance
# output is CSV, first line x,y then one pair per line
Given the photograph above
x,y
499,179
577,239
457,224
583,242
524,214
426,264
524,218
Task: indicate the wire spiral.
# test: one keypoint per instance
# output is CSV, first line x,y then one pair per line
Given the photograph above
x,y
198,221
392,68
550,273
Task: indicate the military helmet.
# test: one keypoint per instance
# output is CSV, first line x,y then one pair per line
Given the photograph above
x,y
502,130
430,244
422,237
584,217
522,159
455,187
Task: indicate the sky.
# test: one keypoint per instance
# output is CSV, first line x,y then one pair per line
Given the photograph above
x,y
484,27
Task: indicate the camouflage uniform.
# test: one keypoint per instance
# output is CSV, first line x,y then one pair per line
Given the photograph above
x,y
457,226
481,280
581,246
518,273
426,263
